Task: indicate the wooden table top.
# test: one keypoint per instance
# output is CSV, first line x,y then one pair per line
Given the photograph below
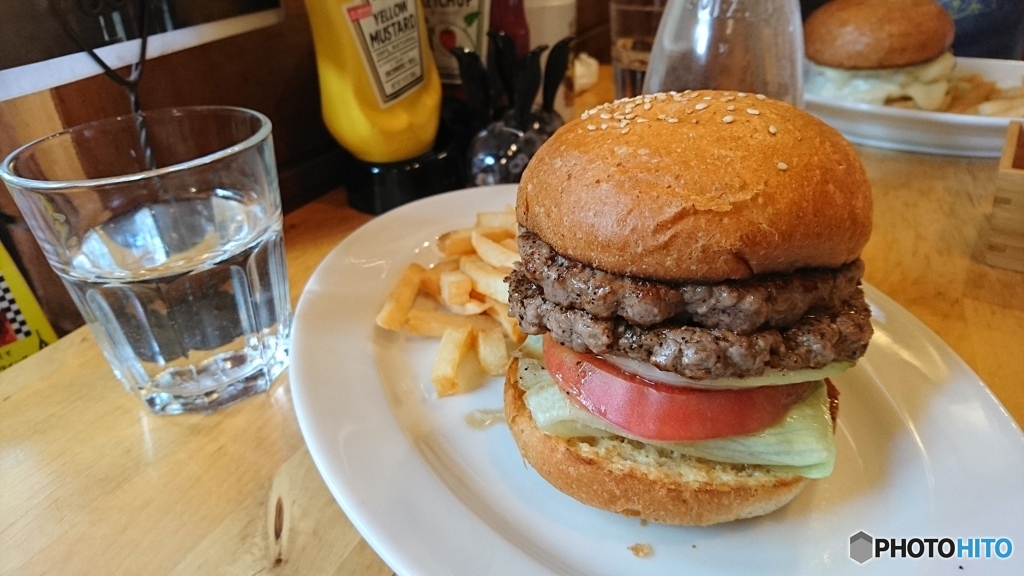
x,y
91,483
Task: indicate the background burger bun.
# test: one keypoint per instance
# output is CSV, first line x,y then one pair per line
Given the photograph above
x,y
683,188
866,34
618,476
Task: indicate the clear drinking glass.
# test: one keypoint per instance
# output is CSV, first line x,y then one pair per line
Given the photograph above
x,y
633,24
747,45
166,228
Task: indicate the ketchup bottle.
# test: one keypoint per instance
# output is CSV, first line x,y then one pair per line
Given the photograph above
x,y
509,16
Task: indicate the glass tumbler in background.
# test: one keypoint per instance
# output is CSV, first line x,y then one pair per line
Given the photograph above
x,y
166,228
747,45
633,24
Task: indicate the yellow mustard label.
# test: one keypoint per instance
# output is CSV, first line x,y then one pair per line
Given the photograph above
x,y
388,36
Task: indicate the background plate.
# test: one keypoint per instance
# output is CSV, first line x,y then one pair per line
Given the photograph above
x,y
923,131
924,449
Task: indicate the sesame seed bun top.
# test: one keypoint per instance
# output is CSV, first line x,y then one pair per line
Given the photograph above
x,y
700,186
868,34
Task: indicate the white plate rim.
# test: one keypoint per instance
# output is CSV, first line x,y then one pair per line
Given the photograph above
x,y
393,543
922,130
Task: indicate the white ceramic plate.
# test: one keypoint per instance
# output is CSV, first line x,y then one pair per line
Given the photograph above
x,y
923,131
924,449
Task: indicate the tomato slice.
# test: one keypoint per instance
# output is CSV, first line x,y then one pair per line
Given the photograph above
x,y
662,412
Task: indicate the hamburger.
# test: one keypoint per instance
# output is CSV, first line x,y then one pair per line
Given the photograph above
x,y
689,276
893,52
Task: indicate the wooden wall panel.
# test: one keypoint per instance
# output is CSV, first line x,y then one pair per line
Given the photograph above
x,y
272,70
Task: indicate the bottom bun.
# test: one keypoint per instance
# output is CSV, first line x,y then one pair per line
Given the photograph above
x,y
644,481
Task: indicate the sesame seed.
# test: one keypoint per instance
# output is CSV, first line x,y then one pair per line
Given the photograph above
x,y
623,122
591,127
677,98
647,105
630,116
782,166
603,126
661,116
687,91
706,98
618,116
741,94
584,116
660,96
701,106
753,111
773,130
730,107
760,96
606,116
625,130
641,120
728,119
672,120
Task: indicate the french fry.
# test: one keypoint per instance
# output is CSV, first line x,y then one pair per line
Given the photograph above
x,y
456,242
460,242
1002,107
487,279
396,308
499,312
431,282
491,351
494,253
455,288
433,323
461,299
975,94
503,219
968,91
470,308
455,343
1015,92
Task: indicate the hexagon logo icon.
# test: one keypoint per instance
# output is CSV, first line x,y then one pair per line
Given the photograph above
x,y
861,545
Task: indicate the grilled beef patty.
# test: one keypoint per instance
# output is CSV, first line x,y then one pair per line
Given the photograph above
x,y
733,329
776,301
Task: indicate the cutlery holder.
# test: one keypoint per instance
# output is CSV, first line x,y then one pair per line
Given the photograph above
x,y
1004,244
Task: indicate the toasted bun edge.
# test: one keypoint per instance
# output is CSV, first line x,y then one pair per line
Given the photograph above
x,y
605,473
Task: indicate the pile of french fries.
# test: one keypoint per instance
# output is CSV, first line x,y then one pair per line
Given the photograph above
x,y
462,299
973,94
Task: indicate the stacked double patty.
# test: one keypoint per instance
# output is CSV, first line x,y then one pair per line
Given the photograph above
x,y
805,319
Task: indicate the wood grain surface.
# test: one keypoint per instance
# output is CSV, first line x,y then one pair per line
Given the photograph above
x,y
91,483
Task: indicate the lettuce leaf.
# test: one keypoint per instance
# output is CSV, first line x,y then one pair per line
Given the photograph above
x,y
802,443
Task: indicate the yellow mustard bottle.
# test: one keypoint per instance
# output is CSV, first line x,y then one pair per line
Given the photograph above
x,y
379,85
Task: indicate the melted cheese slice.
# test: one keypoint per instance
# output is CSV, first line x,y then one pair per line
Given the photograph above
x,y
926,84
